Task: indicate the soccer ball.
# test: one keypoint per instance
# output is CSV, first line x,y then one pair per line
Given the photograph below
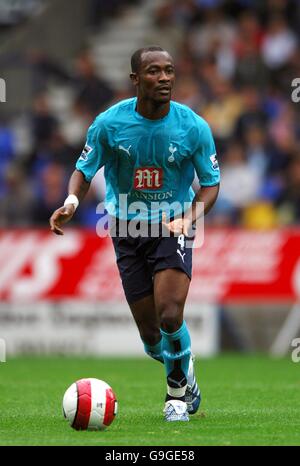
x,y
89,404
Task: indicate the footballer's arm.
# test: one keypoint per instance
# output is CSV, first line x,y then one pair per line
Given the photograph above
x,y
203,201
207,196
78,187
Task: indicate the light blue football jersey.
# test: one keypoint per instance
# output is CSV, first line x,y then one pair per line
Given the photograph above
x,y
150,162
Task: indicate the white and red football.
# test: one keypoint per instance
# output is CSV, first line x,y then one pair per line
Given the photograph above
x,y
90,404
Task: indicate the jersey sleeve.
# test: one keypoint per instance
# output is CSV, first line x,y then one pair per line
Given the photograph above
x,y
92,157
205,158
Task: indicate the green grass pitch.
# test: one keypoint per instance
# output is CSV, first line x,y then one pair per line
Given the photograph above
x,y
247,400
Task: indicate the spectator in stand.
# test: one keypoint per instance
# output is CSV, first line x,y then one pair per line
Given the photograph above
x,y
187,92
240,183
223,111
44,68
57,150
253,113
43,122
61,152
250,69
166,31
50,190
256,149
16,199
279,43
74,127
184,11
249,32
289,202
284,129
44,127
215,28
206,72
93,92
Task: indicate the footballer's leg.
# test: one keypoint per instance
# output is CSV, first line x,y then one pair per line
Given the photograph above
x,y
138,288
147,321
170,291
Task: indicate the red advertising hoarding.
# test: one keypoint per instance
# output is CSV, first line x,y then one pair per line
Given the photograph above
x,y
232,265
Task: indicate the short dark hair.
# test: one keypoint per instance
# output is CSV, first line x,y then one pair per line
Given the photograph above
x,y
136,58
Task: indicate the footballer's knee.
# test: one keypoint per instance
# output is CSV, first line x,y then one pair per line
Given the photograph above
x,y
151,336
171,317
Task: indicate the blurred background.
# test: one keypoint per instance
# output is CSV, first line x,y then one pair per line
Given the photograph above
x,y
63,63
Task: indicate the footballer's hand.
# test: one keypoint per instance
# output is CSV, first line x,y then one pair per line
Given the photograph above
x,y
61,216
177,226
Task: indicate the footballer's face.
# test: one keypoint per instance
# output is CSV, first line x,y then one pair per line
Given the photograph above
x,y
155,78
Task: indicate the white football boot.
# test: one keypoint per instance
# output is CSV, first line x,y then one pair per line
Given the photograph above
x,y
176,410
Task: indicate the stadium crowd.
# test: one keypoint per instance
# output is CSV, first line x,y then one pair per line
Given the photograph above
x,y
235,63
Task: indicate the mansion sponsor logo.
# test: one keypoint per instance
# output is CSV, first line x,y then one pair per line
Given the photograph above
x,y
161,196
2,90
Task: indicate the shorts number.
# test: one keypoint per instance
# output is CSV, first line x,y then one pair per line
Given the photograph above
x,y
180,241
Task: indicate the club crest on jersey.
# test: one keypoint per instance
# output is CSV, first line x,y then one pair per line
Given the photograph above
x,y
214,162
86,150
148,178
172,149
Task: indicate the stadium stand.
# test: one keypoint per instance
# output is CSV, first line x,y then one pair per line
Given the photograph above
x,y
235,61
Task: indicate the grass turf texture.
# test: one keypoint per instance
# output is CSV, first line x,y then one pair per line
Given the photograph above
x,y
247,400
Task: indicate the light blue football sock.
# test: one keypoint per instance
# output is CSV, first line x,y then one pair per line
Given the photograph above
x,y
176,352
154,351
